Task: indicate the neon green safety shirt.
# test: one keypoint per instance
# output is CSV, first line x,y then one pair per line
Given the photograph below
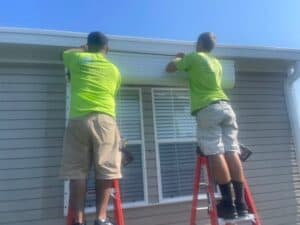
x,y
205,78
94,83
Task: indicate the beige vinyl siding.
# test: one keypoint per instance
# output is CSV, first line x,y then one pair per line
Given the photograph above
x,y
32,118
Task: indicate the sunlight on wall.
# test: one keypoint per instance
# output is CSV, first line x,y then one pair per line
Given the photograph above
x,y
296,94
296,119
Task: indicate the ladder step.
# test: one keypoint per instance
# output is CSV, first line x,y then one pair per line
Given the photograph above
x,y
203,184
202,208
249,217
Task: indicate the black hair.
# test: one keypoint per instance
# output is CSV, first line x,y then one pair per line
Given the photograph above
x,y
97,41
207,40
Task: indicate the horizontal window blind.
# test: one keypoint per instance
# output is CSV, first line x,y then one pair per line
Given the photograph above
x,y
129,114
129,119
177,167
172,114
176,137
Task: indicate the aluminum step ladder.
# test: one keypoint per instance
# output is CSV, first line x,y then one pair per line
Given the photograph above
x,y
203,163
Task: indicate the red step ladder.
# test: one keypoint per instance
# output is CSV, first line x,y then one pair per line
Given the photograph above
x,y
203,163
118,211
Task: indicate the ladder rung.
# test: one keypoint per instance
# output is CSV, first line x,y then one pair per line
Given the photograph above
x,y
203,184
202,208
249,217
217,196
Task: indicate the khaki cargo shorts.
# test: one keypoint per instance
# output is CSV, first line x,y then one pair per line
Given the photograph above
x,y
89,141
217,129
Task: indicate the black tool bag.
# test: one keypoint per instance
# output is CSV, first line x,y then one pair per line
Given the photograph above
x,y
245,153
127,156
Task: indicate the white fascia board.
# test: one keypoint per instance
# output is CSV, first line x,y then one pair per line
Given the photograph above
x,y
40,37
145,69
139,45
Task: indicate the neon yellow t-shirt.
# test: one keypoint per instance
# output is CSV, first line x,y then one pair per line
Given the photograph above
x,y
95,83
205,78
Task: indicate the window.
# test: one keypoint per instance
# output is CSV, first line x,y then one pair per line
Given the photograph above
x,y
130,122
175,131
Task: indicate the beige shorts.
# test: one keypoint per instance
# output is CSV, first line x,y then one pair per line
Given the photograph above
x,y
89,141
217,129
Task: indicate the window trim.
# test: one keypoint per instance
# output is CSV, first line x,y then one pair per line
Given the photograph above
x,y
161,199
90,210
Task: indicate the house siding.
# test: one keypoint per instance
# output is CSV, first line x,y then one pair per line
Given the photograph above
x,y
32,118
31,130
272,172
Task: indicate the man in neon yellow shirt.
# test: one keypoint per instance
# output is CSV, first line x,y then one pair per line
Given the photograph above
x,y
217,128
92,137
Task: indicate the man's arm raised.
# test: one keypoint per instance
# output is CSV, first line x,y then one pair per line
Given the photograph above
x,y
82,48
172,67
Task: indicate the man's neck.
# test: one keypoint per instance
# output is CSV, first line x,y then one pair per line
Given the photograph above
x,y
96,52
201,51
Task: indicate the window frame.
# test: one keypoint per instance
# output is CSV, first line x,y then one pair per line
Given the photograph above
x,y
141,142
162,199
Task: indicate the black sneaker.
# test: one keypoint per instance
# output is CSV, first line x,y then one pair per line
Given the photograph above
x,y
226,210
106,222
241,209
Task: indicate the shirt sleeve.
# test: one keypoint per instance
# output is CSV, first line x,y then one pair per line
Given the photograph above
x,y
118,84
68,58
184,63
220,69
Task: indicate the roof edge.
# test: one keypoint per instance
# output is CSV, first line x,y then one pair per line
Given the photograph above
x,y
11,35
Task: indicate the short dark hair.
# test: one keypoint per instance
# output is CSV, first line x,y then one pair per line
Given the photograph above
x,y
97,40
207,40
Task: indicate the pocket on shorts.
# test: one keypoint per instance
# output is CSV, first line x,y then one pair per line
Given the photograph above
x,y
231,116
78,129
106,129
208,116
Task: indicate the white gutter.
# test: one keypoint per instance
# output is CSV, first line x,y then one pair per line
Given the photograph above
x,y
292,106
139,45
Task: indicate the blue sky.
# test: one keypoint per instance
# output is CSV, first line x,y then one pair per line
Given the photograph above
x,y
237,22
